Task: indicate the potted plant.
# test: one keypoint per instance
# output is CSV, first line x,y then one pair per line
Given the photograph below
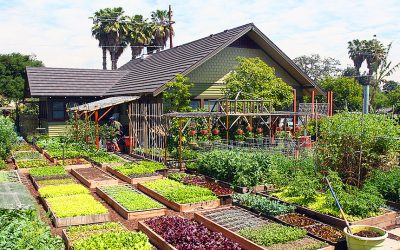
x,y
192,142
215,131
239,135
365,237
259,130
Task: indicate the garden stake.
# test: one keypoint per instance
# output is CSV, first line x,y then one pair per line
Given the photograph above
x,y
338,204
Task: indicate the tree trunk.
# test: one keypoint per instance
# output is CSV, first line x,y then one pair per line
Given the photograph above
x,y
112,54
104,58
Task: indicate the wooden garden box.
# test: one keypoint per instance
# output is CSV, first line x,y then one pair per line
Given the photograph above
x,y
176,206
74,221
130,215
104,180
130,180
154,237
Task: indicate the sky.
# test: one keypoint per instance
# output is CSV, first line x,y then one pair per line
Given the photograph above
x,y
58,32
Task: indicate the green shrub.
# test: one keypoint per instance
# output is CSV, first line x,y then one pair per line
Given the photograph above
x,y
130,199
75,205
8,137
272,233
180,193
47,171
22,229
386,183
343,136
3,164
241,168
62,190
263,204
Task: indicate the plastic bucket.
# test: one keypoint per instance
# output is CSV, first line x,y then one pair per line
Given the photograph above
x,y
355,242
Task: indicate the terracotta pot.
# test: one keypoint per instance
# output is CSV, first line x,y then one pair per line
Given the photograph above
x,y
249,128
215,131
204,132
192,132
259,130
239,131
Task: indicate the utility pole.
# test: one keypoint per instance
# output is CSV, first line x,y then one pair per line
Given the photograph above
x,y
170,27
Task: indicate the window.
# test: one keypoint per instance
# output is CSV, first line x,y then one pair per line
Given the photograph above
x,y
58,111
209,103
195,104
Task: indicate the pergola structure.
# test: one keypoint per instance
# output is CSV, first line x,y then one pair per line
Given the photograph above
x,y
93,108
248,110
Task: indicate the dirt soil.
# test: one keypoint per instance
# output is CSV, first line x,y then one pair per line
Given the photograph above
x,y
297,220
367,234
93,174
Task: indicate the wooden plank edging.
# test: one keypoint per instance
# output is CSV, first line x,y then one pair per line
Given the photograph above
x,y
93,183
130,180
155,238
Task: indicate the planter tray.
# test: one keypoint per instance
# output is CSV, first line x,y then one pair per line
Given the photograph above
x,y
176,206
242,241
384,220
258,188
104,180
130,215
154,237
74,221
130,180
36,185
277,219
73,166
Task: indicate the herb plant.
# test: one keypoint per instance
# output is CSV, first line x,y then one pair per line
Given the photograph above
x,y
83,231
75,205
272,233
184,234
263,204
130,199
62,190
48,172
180,193
386,183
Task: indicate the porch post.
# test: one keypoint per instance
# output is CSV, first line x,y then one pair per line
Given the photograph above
x,y
96,120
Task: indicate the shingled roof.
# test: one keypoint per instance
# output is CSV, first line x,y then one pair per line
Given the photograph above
x,y
149,75
71,82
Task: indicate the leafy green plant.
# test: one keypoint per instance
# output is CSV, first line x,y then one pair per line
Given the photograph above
x,y
3,164
114,241
263,204
55,182
62,190
22,229
138,169
80,232
21,146
27,155
130,199
48,171
272,233
180,193
75,205
386,183
8,137
32,163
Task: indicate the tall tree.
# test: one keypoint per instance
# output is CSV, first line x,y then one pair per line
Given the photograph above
x,y
356,50
162,30
347,92
12,74
100,34
254,77
140,33
113,22
318,68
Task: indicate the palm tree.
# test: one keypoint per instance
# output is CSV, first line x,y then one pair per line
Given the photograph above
x,y
99,33
112,22
356,51
162,29
140,34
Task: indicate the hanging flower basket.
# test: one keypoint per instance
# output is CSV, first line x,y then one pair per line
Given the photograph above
x,y
249,128
192,132
204,131
239,131
259,130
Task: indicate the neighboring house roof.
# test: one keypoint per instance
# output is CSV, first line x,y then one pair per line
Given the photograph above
x,y
149,75
71,82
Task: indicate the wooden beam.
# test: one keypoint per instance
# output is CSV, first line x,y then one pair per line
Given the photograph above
x,y
105,113
96,120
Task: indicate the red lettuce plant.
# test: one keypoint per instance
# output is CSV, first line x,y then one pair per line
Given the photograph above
x,y
185,234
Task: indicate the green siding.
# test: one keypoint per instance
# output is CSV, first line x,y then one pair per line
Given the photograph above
x,y
208,78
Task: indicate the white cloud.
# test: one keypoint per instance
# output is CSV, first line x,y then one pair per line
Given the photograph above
x,y
58,32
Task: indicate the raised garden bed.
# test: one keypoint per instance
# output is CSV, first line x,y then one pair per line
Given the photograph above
x,y
225,184
226,221
178,196
9,176
52,182
130,203
224,193
93,177
171,232
106,159
133,180
108,235
384,220
83,204
74,163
